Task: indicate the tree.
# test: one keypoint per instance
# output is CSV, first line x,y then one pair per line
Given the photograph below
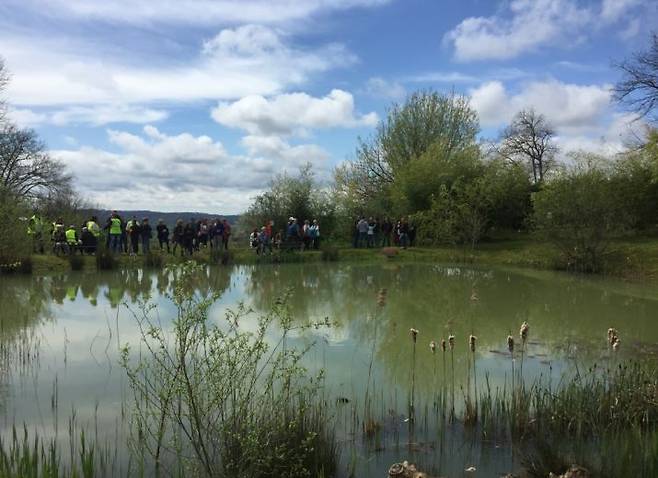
x,y
530,139
580,212
26,169
4,80
298,196
638,88
425,119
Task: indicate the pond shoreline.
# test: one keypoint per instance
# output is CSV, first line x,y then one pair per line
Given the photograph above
x,y
634,260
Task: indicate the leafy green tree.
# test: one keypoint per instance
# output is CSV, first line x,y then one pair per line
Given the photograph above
x,y
579,211
426,120
299,196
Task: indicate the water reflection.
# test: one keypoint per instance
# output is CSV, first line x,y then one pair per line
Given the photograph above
x,y
75,323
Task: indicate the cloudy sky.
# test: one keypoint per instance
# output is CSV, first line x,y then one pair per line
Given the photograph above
x,y
195,104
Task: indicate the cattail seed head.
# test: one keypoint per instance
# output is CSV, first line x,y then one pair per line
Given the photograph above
x,y
451,342
471,342
615,344
510,343
523,332
474,296
443,344
381,297
433,346
414,333
613,336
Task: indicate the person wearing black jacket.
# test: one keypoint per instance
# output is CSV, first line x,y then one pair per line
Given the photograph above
x,y
189,235
163,234
179,231
146,231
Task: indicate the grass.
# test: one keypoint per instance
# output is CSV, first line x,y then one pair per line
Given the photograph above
x,y
634,258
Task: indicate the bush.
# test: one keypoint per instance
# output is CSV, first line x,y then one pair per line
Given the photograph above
x,y
330,254
154,261
236,404
580,213
14,241
105,260
77,262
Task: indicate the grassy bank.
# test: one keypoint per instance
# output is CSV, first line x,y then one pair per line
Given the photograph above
x,y
630,259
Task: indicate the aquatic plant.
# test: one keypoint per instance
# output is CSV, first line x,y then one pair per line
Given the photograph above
x,y
414,334
222,402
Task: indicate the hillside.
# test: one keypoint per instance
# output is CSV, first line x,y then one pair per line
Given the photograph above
x,y
153,216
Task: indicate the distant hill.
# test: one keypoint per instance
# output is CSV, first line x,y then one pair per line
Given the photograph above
x,y
153,216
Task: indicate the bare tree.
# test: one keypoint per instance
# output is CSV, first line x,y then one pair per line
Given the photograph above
x,y
4,80
26,170
638,89
529,139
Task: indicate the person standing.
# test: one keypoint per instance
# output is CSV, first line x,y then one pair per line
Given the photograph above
x,y
362,227
163,234
306,235
72,239
226,233
189,236
372,225
146,232
35,231
179,237
115,232
315,234
404,233
387,229
132,229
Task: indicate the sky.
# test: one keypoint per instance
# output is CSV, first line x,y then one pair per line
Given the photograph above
x,y
195,105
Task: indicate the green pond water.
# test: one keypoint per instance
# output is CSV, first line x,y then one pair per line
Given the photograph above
x,y
60,335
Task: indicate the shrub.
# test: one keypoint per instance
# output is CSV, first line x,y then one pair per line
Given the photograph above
x,y
105,260
580,213
154,261
226,401
77,262
330,254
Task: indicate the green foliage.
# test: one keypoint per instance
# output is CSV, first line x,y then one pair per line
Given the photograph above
x,y
580,212
298,196
222,402
402,163
76,262
105,260
154,261
465,208
330,254
14,243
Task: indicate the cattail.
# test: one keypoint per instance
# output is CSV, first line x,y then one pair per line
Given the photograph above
x,y
612,336
381,297
443,344
615,344
523,332
471,342
474,296
451,341
413,333
510,344
433,346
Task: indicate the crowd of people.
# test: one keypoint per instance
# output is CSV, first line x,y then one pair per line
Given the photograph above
x,y
373,232
295,236
129,236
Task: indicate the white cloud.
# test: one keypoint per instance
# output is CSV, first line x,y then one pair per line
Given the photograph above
x,y
526,25
381,88
237,62
291,113
195,12
569,107
97,115
182,172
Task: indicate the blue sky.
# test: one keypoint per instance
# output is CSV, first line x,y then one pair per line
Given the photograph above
x,y
195,104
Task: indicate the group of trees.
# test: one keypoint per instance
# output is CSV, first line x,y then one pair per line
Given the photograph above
x,y
425,162
29,178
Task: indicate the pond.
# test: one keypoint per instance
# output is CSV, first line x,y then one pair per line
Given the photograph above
x,y
60,338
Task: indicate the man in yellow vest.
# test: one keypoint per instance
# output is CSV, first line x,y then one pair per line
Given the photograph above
x,y
114,226
35,231
72,239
